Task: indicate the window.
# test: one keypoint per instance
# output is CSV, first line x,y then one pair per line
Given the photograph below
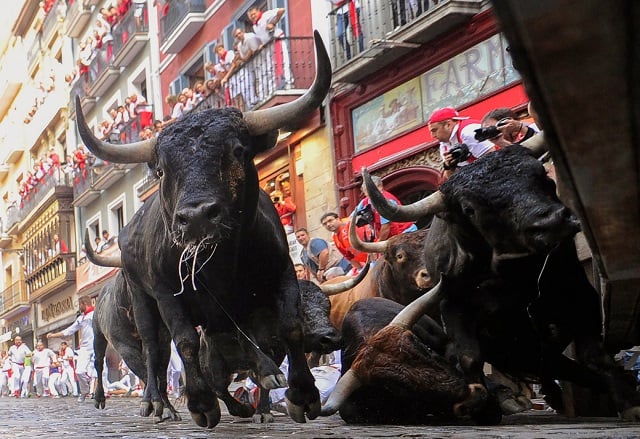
x,y
178,84
116,216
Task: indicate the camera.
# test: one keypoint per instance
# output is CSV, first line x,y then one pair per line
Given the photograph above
x,y
364,216
460,153
486,133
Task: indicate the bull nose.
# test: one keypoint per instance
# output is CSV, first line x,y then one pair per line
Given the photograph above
x,y
423,279
554,224
197,215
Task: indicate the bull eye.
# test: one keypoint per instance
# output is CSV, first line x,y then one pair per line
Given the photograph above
x,y
238,152
159,172
468,210
400,256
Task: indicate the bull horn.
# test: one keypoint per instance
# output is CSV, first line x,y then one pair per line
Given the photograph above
x,y
419,307
367,247
290,115
100,260
346,385
537,144
137,152
341,287
432,204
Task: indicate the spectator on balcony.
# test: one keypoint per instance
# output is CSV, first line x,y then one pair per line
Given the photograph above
x,y
80,156
85,55
138,13
248,44
176,108
264,26
59,245
123,7
107,16
54,158
198,92
189,102
157,126
224,66
348,12
107,241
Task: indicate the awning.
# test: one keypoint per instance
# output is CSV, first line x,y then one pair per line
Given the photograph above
x,y
5,337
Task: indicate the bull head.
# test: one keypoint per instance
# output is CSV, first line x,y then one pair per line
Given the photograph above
x,y
350,381
258,122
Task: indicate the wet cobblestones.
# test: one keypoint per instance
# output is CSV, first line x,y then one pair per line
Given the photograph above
x,y
62,418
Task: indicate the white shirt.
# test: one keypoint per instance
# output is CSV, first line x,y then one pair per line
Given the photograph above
x,y
468,138
251,43
260,28
66,356
43,358
18,354
84,323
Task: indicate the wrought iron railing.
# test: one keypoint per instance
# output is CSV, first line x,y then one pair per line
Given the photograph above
x,y
374,19
283,64
54,177
13,296
130,24
175,13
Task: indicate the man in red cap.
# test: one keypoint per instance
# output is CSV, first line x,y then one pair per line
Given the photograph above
x,y
458,145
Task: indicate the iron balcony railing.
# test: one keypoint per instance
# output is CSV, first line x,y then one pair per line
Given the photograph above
x,y
50,21
175,13
55,177
13,297
283,64
128,26
354,25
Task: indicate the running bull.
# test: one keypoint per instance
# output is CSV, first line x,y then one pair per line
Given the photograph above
x,y
517,294
208,248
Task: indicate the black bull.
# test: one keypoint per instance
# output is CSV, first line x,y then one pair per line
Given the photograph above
x,y
517,294
208,249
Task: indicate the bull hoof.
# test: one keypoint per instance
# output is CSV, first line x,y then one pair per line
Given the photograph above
x,y
207,419
145,408
631,414
273,382
158,408
99,403
174,416
241,410
262,418
297,412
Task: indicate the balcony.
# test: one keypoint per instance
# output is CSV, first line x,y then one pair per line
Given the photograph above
x,y
390,30
149,186
14,300
130,37
102,74
96,178
12,76
78,16
49,276
51,23
13,219
33,54
182,20
5,240
52,110
54,185
284,67
81,88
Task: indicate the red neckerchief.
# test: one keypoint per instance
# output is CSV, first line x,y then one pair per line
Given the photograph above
x,y
224,55
258,19
88,310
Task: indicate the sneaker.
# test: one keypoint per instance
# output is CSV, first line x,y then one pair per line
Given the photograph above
x,y
82,397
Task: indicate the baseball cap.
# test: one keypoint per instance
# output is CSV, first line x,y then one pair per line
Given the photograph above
x,y
445,114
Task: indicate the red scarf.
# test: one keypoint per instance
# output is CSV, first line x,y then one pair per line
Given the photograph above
x,y
223,56
353,18
88,310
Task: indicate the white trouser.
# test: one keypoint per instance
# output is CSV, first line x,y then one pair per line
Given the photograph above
x,y
16,375
25,381
68,378
41,379
56,385
83,370
6,384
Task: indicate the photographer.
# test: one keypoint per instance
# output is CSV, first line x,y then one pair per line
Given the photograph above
x,y
458,145
382,227
502,127
286,208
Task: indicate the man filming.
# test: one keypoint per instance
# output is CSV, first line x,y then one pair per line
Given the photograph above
x,y
458,145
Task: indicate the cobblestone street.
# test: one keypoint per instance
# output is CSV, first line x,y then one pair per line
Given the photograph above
x,y
60,418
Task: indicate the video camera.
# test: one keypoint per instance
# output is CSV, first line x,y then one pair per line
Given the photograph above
x,y
460,153
364,216
486,133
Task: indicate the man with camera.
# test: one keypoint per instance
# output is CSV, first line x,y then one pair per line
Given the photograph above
x,y
458,145
502,127
367,214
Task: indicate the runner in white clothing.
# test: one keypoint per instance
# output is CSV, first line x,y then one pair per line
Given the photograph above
x,y
18,353
42,359
84,324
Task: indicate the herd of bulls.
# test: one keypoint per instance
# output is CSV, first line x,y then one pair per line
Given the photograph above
x,y
205,263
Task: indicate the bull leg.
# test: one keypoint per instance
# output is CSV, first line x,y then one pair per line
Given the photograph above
x,y
302,396
147,321
99,348
165,354
263,413
202,401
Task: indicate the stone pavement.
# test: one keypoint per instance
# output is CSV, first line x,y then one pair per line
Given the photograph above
x,y
66,418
